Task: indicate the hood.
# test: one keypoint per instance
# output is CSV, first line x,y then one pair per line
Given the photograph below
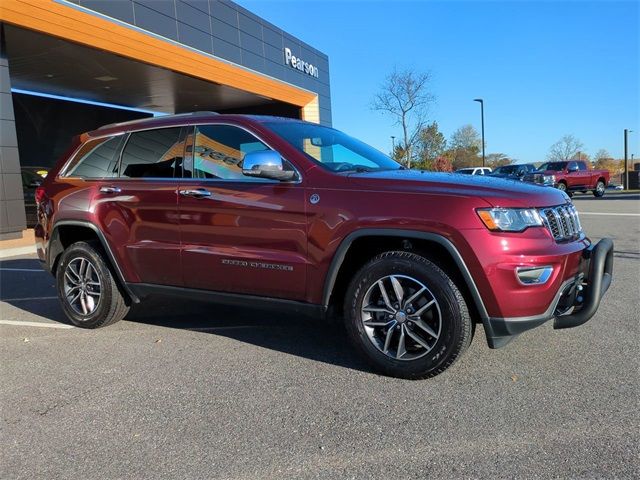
x,y
499,192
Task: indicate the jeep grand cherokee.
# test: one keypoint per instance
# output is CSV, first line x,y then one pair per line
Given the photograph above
x,y
279,212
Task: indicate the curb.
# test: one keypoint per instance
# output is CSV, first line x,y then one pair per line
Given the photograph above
x,y
14,252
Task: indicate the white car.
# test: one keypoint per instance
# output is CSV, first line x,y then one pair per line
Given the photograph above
x,y
474,171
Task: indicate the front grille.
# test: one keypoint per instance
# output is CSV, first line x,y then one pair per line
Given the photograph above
x,y
562,221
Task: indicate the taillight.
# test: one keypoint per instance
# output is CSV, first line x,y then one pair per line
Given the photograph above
x,y
39,195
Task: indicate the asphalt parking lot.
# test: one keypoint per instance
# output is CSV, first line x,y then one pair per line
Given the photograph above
x,y
200,391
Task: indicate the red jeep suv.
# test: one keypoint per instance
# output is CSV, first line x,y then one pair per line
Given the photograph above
x,y
279,212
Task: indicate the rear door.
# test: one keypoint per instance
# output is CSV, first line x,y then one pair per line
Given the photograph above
x,y
239,234
139,207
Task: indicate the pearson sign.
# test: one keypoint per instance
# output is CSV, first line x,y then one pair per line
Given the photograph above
x,y
299,64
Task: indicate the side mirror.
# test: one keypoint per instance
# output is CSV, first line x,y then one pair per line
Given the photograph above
x,y
266,164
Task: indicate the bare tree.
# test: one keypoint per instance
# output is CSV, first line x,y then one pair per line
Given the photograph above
x,y
405,96
567,148
602,154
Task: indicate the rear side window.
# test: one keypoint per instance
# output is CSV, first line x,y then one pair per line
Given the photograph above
x,y
153,154
96,159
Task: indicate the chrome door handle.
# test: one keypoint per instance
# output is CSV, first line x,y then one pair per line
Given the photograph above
x,y
195,193
110,189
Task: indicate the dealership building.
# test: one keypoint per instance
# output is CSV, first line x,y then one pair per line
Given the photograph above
x,y
69,66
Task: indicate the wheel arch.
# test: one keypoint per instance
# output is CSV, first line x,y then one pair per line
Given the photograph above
x,y
66,232
369,242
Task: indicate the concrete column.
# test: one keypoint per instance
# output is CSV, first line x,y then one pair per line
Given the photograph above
x,y
12,216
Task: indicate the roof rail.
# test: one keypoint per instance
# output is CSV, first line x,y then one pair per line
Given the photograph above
x,y
145,120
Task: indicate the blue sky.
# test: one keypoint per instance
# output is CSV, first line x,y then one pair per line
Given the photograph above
x,y
544,68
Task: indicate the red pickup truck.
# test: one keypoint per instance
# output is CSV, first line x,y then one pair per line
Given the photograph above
x,y
575,176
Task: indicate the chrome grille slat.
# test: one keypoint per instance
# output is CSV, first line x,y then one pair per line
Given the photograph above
x,y
557,217
562,222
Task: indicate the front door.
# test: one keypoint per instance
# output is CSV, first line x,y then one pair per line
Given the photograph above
x,y
239,234
574,176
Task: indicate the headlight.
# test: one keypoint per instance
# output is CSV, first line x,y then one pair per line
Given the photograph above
x,y
509,219
549,179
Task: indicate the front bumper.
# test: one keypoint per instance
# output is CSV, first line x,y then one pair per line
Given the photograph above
x,y
575,302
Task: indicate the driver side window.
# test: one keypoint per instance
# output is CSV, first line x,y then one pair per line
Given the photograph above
x,y
218,151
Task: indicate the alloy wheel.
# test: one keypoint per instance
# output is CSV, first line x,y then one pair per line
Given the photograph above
x,y
82,286
401,317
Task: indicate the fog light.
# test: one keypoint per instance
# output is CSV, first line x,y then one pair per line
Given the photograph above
x,y
534,275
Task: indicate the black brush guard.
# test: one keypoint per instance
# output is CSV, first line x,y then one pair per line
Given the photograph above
x,y
600,257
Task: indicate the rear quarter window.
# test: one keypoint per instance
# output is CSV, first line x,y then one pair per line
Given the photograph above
x,y
96,159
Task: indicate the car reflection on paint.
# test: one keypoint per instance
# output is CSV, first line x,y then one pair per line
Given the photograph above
x,y
32,178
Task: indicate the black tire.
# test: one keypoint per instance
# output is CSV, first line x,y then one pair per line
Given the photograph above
x,y
600,189
111,305
455,325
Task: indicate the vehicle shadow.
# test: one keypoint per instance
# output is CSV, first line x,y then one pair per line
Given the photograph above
x,y
31,292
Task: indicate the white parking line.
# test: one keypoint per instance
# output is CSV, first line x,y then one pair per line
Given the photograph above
x,y
35,324
22,270
26,299
610,214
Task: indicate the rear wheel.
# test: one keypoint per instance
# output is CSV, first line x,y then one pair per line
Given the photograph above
x,y
86,287
600,188
406,316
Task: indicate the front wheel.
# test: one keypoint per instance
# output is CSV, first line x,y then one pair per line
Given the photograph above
x,y
563,188
406,316
87,289
599,191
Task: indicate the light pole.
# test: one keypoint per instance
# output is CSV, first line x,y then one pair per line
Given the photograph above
x,y
626,149
482,120
393,145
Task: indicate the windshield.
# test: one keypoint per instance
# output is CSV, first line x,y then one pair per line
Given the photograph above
x,y
553,166
332,149
506,170
465,172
